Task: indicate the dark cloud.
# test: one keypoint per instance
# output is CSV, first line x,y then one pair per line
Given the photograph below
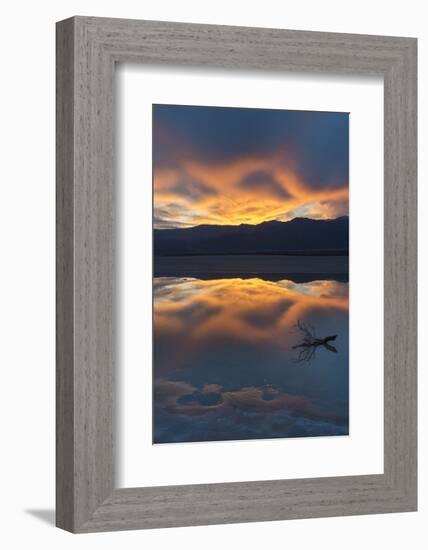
x,y
265,182
314,143
192,189
323,150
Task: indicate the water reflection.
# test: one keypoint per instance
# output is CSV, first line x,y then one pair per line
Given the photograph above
x,y
227,361
311,342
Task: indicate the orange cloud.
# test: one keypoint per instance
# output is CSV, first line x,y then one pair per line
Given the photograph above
x,y
246,190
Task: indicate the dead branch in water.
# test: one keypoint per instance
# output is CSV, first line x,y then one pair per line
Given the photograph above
x,y
310,342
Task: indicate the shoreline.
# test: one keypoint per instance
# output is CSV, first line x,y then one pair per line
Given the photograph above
x,y
271,267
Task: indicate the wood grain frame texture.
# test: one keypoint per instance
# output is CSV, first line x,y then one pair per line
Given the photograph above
x,y
87,50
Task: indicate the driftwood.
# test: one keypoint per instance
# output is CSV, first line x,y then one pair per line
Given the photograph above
x,y
311,343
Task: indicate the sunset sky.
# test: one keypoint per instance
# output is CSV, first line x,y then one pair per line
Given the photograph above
x,y
214,165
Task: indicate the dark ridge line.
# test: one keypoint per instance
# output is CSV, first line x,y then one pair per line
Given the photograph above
x,y
251,225
274,277
258,253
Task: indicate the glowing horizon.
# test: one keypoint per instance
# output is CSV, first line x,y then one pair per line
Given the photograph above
x,y
227,166
258,223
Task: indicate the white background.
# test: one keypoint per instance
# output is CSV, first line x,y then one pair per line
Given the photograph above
x,y
144,464
27,272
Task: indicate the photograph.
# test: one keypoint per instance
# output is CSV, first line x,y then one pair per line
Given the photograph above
x,y
250,273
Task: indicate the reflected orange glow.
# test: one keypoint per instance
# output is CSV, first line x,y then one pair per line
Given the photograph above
x,y
226,363
247,310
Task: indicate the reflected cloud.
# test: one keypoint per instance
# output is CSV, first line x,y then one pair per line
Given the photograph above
x,y
223,354
204,310
185,399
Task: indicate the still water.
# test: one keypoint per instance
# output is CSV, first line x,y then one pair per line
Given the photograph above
x,y
226,366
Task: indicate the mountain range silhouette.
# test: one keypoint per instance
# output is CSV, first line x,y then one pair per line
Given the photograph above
x,y
299,236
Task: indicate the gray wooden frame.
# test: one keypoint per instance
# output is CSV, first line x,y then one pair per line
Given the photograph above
x,y
87,50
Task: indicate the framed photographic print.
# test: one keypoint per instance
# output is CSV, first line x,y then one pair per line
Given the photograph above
x,y
236,274
245,255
